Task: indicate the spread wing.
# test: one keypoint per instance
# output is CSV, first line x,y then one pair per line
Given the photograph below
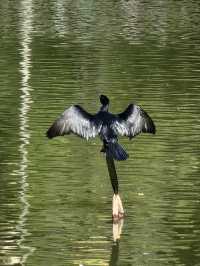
x,y
75,120
133,121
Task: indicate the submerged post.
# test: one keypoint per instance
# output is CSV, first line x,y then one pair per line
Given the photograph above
x,y
117,207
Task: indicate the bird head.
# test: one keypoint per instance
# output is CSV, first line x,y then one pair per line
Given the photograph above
x,y
104,100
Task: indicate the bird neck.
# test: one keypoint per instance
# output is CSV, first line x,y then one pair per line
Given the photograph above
x,y
104,108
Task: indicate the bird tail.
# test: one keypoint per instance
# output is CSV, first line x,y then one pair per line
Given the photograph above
x,y
116,151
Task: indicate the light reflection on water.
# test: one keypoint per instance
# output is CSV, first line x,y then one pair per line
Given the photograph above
x,y
55,197
25,64
24,133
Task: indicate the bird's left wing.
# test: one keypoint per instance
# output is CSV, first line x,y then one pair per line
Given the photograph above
x,y
133,121
75,120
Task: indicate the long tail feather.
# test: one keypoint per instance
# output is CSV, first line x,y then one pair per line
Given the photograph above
x,y
116,151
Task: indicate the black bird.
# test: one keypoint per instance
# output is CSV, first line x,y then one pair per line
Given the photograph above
x,y
108,126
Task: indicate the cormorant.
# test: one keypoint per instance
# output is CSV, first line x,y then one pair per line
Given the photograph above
x,y
108,126
133,121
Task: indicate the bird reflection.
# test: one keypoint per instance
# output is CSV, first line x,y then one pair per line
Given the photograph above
x,y
117,230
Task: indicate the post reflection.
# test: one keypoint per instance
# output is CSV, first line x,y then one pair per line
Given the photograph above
x,y
117,230
114,254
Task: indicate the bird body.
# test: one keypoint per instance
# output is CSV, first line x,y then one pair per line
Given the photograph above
x,y
108,135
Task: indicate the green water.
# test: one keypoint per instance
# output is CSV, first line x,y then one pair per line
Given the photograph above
x,y
55,196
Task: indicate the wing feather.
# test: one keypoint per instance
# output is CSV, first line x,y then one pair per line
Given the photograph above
x,y
75,120
133,121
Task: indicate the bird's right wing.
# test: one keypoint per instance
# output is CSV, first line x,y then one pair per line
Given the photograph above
x,y
133,121
75,120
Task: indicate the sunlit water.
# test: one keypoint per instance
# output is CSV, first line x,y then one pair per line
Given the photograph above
x,y
55,196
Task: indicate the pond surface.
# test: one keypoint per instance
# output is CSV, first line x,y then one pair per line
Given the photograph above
x,y
55,196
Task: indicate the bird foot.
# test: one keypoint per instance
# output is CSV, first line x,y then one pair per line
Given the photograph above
x,y
117,218
117,208
117,229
